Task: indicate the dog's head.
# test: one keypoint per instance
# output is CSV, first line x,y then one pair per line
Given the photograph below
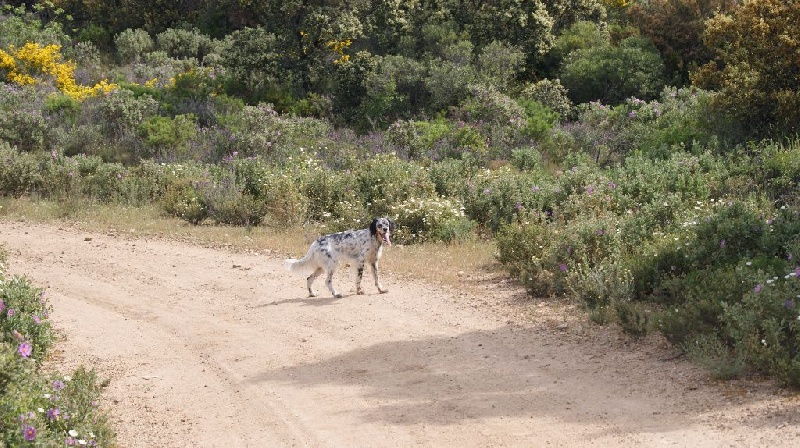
x,y
382,228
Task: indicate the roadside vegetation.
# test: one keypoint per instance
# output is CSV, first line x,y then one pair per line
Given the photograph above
x,y
639,157
37,406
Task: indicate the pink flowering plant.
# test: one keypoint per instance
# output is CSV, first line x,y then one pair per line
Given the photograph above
x,y
24,319
39,408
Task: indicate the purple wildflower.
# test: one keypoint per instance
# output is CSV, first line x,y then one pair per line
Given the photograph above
x,y
789,256
612,185
562,267
29,432
757,288
11,312
487,191
788,304
58,385
24,349
722,244
2,306
53,414
37,319
797,271
600,231
632,113
590,189
518,206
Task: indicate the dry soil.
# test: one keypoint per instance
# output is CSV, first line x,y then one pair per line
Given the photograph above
x,y
210,347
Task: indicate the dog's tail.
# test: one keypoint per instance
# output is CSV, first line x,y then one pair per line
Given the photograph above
x,y
298,266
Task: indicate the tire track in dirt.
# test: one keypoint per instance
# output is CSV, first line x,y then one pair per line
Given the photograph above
x,y
207,347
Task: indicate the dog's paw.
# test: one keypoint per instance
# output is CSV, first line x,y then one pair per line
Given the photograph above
x,y
337,296
383,291
360,292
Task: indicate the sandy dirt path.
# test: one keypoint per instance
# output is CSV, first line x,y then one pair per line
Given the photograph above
x,y
206,347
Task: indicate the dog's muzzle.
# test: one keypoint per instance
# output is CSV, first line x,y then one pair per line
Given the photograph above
x,y
385,238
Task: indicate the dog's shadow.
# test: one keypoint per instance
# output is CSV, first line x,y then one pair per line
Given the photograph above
x,y
307,301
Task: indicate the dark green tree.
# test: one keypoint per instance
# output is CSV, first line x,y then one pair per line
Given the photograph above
x,y
612,73
756,68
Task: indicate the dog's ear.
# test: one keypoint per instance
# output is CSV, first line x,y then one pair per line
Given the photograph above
x,y
391,224
373,228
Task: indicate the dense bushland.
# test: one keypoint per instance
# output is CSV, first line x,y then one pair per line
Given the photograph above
x,y
568,133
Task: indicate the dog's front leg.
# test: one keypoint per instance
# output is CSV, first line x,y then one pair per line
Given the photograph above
x,y
378,278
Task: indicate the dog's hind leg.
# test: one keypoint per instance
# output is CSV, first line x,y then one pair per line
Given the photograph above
x,y
329,281
310,281
377,277
359,276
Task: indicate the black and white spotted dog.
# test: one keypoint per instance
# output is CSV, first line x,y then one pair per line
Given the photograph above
x,y
355,246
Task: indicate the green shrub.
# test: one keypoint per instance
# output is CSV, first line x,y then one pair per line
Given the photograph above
x,y
720,360
384,181
23,122
521,250
184,44
448,82
633,318
502,121
499,197
539,119
168,138
261,131
324,189
499,64
780,170
435,140
552,95
63,107
19,27
181,199
764,325
132,44
600,282
612,73
19,172
121,112
430,219
450,176
277,193
284,202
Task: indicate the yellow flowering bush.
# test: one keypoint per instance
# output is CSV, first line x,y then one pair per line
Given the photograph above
x,y
34,63
339,47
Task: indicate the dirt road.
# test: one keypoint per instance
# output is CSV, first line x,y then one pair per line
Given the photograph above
x,y
210,348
